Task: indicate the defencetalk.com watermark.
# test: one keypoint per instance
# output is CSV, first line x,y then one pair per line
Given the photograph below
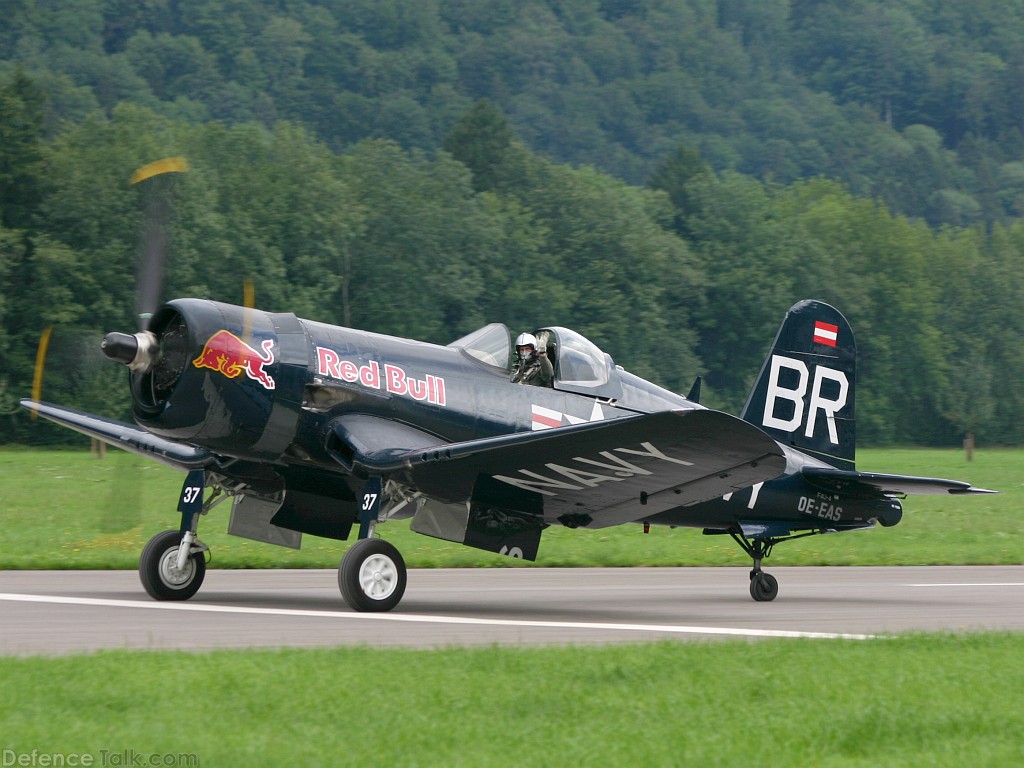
x,y
120,758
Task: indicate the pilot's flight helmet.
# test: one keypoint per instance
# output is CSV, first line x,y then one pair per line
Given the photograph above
x,y
526,340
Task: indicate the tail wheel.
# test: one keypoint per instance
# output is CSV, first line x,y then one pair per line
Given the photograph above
x,y
372,576
159,573
763,587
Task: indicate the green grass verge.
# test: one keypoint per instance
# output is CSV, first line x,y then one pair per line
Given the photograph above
x,y
906,701
67,509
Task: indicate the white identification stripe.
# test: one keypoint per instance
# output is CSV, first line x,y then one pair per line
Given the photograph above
x,y
825,333
415,618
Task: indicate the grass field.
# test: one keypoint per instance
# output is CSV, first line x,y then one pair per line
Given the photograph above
x,y
909,701
66,509
903,701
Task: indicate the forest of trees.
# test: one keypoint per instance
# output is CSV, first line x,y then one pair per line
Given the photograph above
x,y
665,177
919,103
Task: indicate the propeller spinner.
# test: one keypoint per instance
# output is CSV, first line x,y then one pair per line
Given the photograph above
x,y
136,350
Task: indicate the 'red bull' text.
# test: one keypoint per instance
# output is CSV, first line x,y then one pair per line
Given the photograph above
x,y
390,378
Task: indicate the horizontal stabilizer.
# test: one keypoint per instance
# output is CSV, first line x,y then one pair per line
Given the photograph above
x,y
128,437
870,484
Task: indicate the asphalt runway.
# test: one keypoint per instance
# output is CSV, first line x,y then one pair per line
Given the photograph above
x,y
59,612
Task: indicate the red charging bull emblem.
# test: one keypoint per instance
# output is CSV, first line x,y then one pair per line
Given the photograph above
x,y
228,354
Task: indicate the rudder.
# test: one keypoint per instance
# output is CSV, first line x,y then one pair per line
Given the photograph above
x,y
804,395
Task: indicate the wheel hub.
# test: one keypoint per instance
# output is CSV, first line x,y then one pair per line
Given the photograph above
x,y
378,577
170,574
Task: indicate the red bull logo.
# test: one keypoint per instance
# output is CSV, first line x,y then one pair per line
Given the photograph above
x,y
229,355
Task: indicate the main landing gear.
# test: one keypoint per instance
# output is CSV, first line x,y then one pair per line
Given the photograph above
x,y
173,563
372,574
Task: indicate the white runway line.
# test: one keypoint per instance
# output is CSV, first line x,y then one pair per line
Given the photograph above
x,y
972,584
418,618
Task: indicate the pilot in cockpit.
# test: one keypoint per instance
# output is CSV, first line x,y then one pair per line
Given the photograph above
x,y
532,364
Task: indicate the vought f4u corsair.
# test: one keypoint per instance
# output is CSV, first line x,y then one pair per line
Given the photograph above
x,y
316,429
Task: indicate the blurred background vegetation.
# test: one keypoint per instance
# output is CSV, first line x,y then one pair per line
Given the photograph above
x,y
665,176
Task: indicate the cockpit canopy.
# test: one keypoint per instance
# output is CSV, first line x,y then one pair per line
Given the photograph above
x,y
491,344
580,366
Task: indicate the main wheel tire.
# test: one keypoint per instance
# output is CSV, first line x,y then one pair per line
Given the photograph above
x,y
159,574
764,587
372,576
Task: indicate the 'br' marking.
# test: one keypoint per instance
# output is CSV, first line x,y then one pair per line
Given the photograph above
x,y
818,401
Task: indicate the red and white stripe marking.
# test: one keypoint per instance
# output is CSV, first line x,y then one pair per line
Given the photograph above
x,y
545,418
826,333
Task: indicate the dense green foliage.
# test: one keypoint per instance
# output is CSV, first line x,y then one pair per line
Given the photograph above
x,y
404,167
918,102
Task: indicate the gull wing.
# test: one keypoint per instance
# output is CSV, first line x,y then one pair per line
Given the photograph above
x,y
595,474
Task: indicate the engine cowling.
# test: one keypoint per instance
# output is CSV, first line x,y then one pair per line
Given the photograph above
x,y
225,377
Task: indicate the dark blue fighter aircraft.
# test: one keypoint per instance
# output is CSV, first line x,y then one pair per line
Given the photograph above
x,y
311,428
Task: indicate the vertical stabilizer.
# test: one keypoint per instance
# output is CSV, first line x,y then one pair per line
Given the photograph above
x,y
804,395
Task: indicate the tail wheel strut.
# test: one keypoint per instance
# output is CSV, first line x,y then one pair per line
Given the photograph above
x,y
763,586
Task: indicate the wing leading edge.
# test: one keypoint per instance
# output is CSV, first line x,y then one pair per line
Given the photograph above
x,y
595,474
125,436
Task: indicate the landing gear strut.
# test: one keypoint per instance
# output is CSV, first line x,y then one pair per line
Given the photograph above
x,y
173,563
372,574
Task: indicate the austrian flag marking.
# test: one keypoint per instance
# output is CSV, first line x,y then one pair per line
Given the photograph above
x,y
826,333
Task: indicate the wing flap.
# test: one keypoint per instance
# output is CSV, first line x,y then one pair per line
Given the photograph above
x,y
873,485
